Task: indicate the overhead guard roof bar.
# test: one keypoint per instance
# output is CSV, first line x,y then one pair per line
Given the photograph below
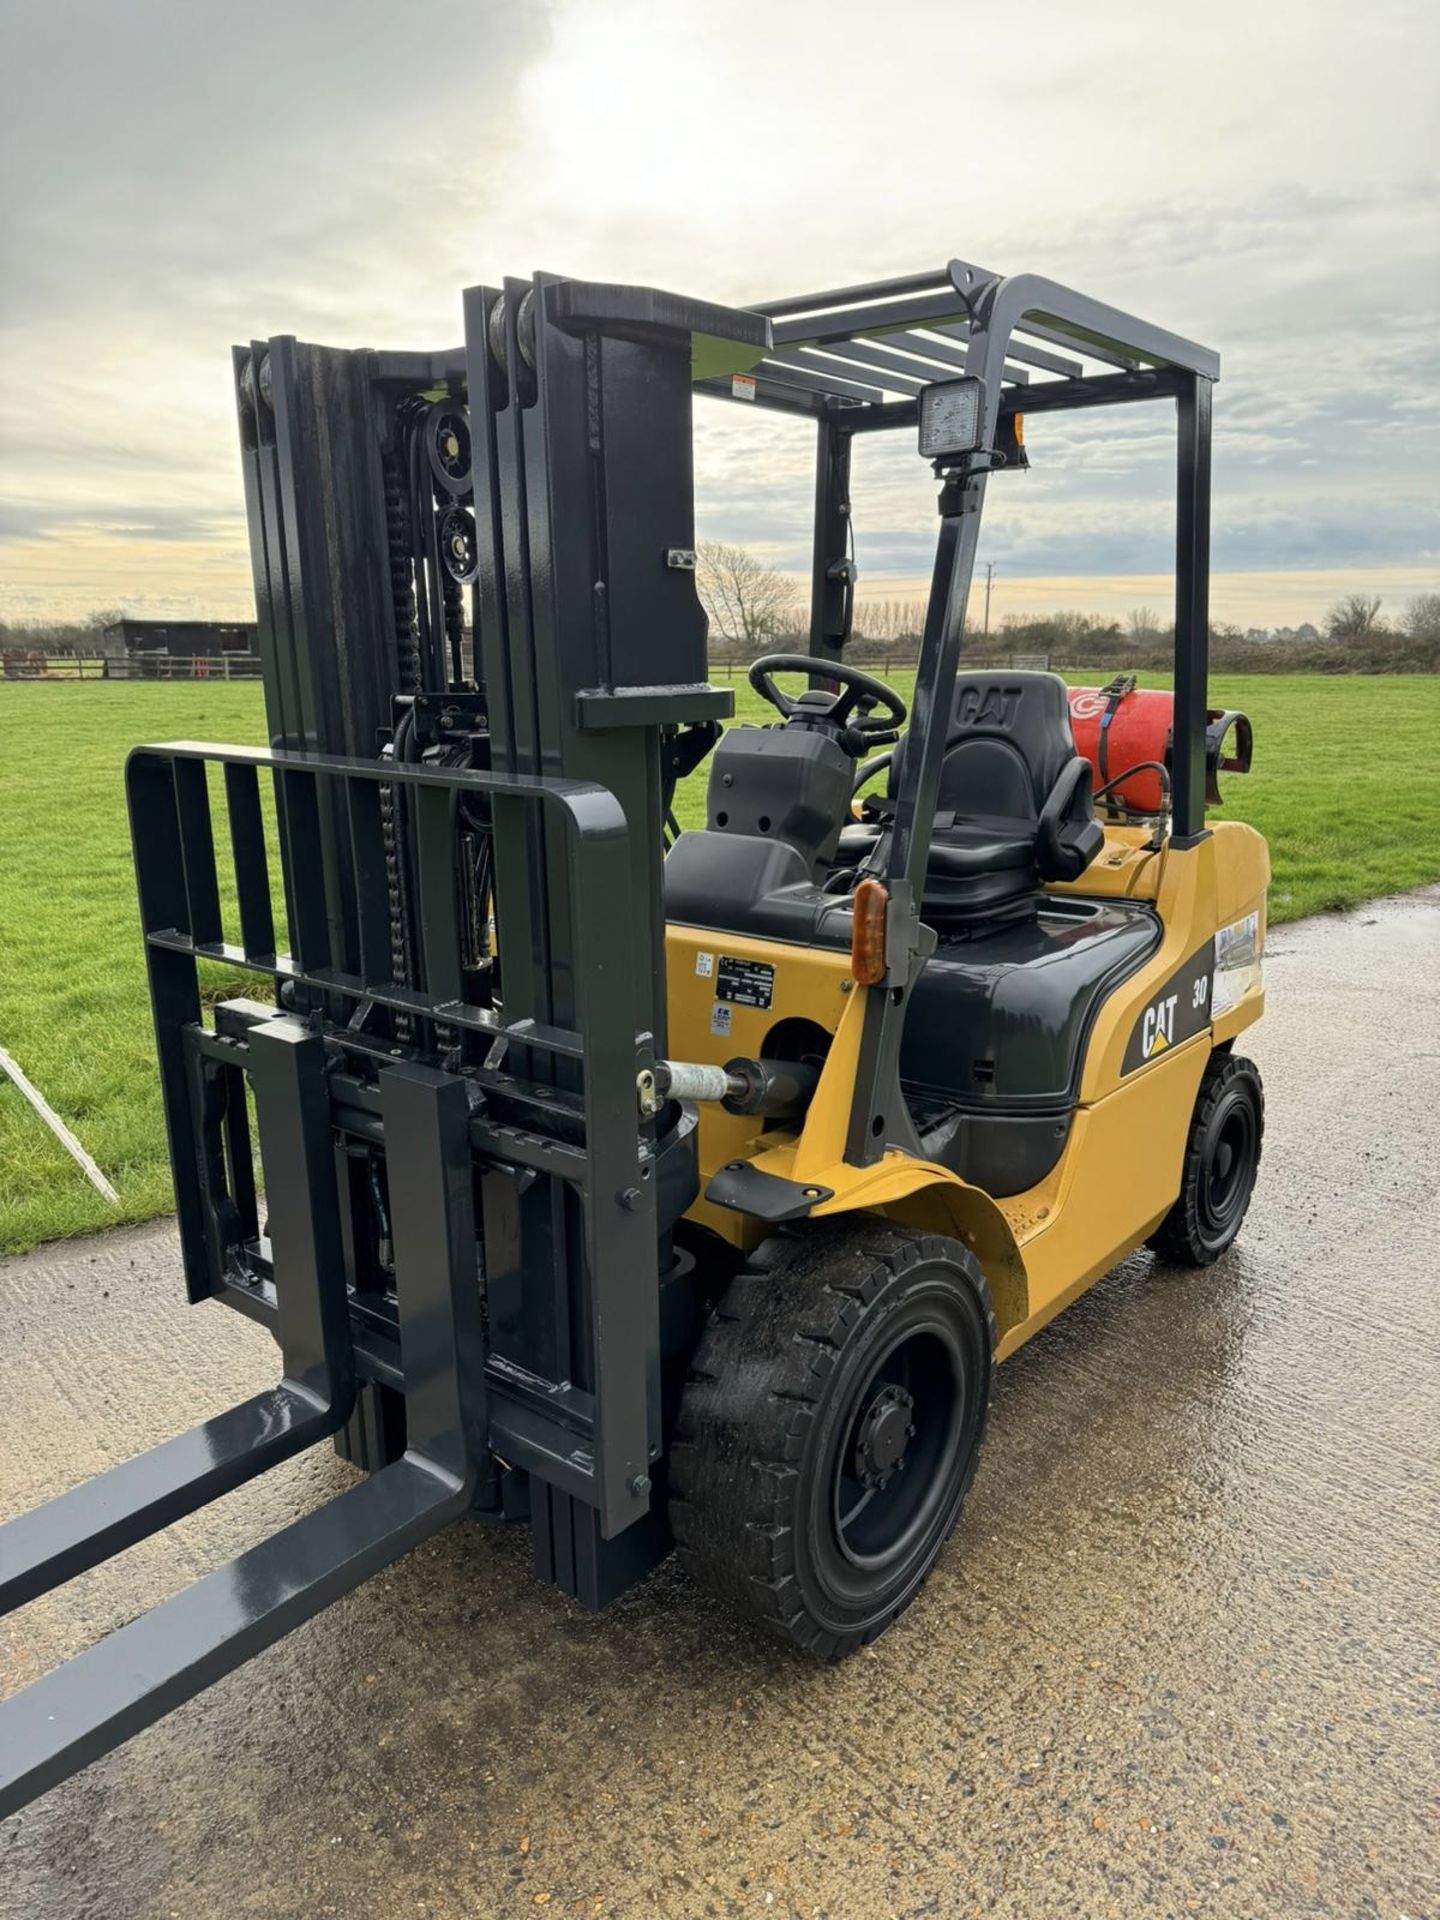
x,y
1031,355
923,310
863,353
838,296
852,360
1056,338
820,380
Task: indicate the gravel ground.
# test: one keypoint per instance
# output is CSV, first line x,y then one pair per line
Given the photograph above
x,y
1180,1657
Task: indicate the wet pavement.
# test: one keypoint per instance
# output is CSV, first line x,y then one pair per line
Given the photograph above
x,y
1180,1657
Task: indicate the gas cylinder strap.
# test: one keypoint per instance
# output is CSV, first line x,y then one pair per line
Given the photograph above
x,y
1122,684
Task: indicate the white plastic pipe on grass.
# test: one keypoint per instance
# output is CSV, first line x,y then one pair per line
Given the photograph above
x,y
58,1127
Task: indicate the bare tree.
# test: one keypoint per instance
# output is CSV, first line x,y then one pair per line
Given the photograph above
x,y
874,619
748,603
1143,623
1352,618
879,628
1422,617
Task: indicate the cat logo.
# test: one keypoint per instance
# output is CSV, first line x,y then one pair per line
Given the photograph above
x,y
1178,1010
987,707
1157,1030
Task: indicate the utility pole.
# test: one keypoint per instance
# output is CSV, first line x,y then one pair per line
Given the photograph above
x,y
989,576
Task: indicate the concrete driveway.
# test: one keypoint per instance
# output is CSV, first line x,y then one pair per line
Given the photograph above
x,y
1180,1657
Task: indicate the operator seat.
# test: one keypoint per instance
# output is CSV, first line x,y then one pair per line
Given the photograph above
x,y
1014,807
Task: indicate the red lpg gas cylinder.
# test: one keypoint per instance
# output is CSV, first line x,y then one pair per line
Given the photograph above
x,y
1121,727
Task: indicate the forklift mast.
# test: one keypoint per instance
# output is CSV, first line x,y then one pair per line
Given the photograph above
x,y
464,1246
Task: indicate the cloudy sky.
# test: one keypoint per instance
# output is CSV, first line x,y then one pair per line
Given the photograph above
x,y
176,175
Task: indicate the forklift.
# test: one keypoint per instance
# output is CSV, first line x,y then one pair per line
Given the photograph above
x,y
654,1189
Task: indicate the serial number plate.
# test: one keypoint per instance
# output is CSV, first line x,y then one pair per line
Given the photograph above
x,y
745,983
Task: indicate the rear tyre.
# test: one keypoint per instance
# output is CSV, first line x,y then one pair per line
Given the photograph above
x,y
830,1429
1222,1157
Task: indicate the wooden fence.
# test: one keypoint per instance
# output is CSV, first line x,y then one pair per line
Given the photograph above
x,y
33,663
734,671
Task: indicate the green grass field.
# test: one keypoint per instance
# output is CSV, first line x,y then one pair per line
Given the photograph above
x,y
1345,787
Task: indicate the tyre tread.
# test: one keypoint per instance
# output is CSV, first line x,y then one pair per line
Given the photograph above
x,y
738,1443
1178,1238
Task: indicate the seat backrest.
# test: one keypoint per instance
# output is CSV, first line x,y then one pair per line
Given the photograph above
x,y
1010,758
1010,741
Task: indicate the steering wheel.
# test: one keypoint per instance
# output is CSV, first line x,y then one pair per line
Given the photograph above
x,y
862,691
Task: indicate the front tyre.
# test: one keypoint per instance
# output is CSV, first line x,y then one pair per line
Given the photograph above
x,y
830,1429
1222,1158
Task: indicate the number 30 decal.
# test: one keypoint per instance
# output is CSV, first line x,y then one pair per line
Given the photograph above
x,y
1173,1013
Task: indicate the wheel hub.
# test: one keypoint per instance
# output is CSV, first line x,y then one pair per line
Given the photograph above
x,y
886,1429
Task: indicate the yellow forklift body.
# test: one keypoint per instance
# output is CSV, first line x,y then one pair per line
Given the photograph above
x,y
1120,1170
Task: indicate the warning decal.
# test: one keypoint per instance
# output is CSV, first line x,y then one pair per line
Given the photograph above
x,y
746,983
1237,963
1177,1011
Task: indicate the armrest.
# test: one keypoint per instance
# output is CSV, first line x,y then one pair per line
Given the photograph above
x,y
1065,845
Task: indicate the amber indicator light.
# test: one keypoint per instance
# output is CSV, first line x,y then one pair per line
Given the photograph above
x,y
867,934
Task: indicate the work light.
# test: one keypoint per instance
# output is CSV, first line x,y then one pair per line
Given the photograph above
x,y
949,418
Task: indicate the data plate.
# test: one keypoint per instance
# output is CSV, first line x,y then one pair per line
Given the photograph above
x,y
745,983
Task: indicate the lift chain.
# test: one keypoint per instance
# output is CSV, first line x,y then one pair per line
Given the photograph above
x,y
402,591
399,918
